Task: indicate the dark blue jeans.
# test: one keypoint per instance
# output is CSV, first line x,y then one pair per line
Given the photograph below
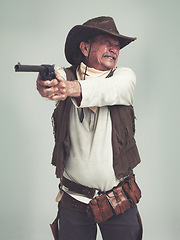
x,y
78,226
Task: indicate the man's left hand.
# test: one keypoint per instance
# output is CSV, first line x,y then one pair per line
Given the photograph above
x,y
59,88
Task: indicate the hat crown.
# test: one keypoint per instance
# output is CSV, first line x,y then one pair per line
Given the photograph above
x,y
102,23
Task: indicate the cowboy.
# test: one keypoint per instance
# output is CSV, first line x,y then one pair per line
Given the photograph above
x,y
95,151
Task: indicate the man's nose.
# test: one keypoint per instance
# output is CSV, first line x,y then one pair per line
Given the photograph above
x,y
113,49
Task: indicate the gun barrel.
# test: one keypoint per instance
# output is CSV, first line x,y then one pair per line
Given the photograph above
x,y
28,68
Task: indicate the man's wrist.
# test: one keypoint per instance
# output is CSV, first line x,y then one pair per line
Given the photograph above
x,y
74,89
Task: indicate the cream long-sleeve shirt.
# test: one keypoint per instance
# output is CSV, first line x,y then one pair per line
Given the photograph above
x,y
90,162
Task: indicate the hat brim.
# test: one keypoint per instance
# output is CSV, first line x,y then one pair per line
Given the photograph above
x,y
81,33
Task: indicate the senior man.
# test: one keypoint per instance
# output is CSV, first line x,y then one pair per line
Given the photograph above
x,y
94,126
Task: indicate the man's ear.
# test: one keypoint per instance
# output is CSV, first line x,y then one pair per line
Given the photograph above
x,y
84,47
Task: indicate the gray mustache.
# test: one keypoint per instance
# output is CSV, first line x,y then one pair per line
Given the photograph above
x,y
110,54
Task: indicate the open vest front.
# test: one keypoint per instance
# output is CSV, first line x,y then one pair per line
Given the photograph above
x,y
125,152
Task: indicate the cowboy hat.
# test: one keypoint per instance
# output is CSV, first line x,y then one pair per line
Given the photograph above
x,y
86,31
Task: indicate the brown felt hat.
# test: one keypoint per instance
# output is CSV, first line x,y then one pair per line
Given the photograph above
x,y
89,29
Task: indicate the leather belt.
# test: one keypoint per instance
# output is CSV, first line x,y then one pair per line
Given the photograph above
x,y
71,203
114,202
78,188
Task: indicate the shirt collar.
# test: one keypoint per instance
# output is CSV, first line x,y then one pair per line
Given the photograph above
x,y
90,73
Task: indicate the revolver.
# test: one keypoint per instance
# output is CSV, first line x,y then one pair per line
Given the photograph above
x,y
46,71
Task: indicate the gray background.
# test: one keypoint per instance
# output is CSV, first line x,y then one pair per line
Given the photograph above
x,y
34,32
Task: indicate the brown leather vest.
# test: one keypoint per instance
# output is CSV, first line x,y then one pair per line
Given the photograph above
x,y
125,152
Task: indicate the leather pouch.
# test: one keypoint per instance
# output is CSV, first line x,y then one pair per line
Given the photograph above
x,y
101,208
112,203
132,190
118,200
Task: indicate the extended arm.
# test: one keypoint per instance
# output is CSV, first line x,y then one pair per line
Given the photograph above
x,y
116,90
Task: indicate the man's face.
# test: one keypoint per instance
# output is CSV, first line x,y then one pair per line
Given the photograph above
x,y
104,52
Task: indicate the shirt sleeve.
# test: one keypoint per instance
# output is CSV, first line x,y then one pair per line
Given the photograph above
x,y
115,90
